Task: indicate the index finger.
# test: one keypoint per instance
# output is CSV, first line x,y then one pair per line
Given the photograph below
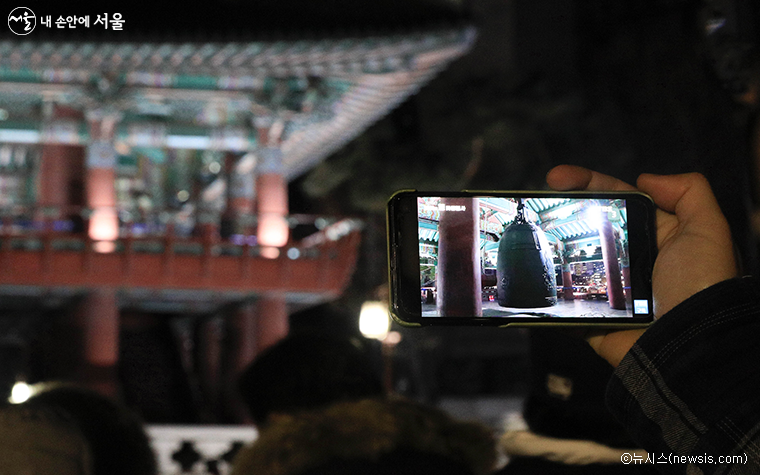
x,y
571,177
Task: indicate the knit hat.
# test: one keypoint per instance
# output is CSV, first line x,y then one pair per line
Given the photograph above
x,y
368,433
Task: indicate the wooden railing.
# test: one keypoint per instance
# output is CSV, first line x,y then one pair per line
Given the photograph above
x,y
38,247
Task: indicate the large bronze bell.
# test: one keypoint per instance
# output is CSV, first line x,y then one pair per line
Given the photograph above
x,y
525,266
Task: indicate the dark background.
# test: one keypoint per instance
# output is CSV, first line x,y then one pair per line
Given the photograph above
x,y
620,86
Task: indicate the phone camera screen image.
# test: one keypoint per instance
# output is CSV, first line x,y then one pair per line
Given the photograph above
x,y
533,258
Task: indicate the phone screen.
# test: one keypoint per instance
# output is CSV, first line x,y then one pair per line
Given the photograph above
x,y
522,258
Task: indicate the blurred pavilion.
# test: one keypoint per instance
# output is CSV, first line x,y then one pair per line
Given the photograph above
x,y
147,168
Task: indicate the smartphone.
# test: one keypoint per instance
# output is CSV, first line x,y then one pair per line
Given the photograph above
x,y
521,258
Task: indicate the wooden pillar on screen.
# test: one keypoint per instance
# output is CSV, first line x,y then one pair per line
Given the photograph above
x,y
627,283
615,293
567,282
567,274
458,274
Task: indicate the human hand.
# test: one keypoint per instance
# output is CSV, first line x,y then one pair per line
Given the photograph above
x,y
693,237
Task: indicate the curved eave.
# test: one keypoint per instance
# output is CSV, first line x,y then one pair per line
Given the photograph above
x,y
30,60
376,74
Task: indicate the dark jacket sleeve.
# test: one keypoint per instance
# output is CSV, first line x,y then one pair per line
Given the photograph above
x,y
689,389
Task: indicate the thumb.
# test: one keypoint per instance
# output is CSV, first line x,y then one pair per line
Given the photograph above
x,y
688,196
694,238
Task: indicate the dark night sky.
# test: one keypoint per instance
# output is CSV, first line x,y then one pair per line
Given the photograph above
x,y
234,20
621,87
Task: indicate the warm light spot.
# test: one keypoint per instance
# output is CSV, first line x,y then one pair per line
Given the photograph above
x,y
374,320
393,338
104,225
270,252
104,247
273,230
122,148
20,392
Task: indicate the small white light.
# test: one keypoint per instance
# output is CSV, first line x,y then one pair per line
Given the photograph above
x,y
374,320
215,167
294,253
20,392
594,216
183,195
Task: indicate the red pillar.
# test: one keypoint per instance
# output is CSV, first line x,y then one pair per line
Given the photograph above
x,y
210,348
55,174
60,171
98,315
272,200
243,333
567,282
97,318
241,350
271,321
240,197
100,185
458,274
101,199
271,189
627,283
611,265
253,327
